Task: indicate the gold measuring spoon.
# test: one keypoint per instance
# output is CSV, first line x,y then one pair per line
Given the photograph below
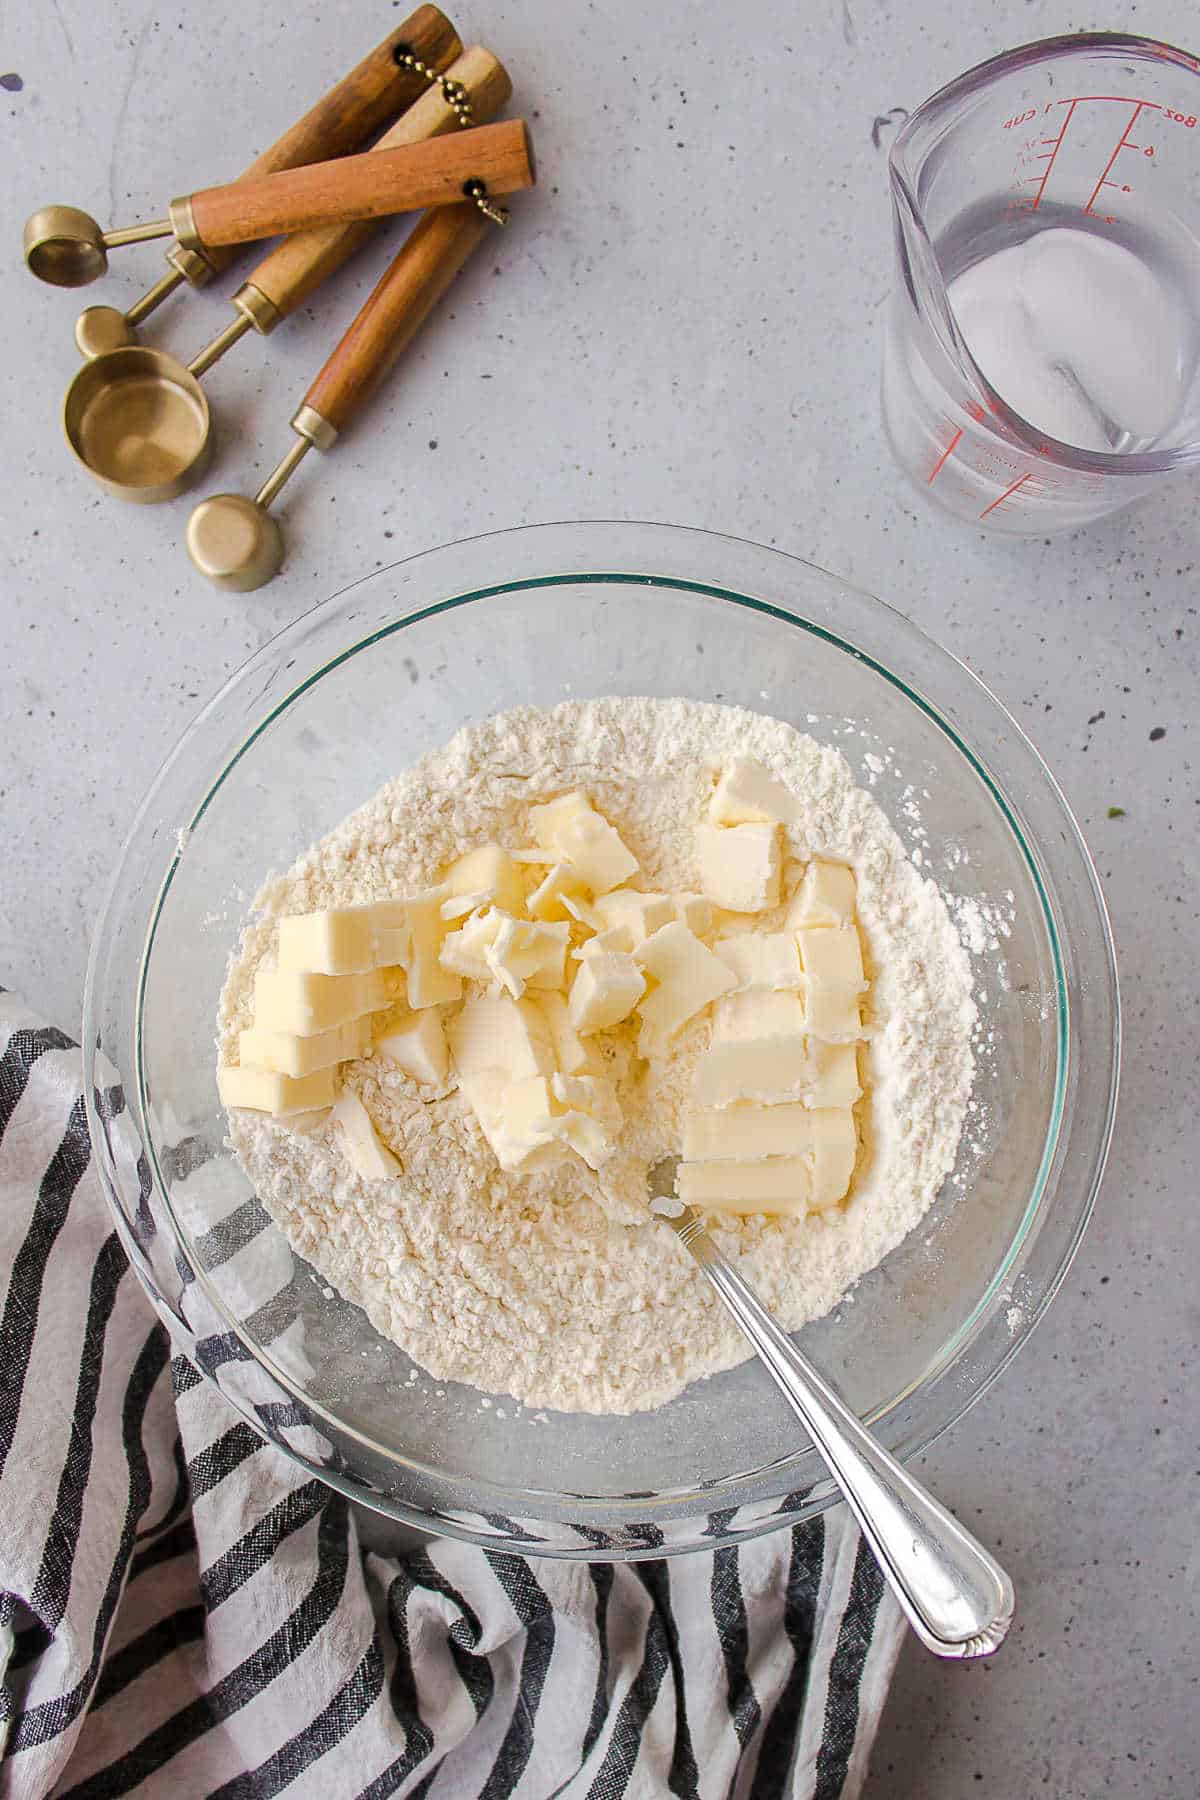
x,y
472,91
494,157
138,419
382,85
235,541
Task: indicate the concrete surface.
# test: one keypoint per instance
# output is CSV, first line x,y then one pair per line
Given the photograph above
x,y
683,324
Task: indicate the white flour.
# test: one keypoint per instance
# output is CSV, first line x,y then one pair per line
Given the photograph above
x,y
561,1288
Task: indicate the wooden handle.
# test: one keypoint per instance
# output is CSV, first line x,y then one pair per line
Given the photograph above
x,y
392,315
373,92
298,265
358,187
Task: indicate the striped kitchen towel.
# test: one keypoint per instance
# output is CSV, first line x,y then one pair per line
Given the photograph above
x,y
184,1612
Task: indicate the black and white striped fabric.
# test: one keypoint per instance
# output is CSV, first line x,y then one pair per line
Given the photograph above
x,y
183,1613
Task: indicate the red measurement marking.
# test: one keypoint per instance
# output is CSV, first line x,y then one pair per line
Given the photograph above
x,y
1057,142
1019,482
1127,99
1122,141
937,467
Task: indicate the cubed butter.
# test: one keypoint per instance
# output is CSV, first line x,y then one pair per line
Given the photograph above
x,y
341,940
638,915
494,1031
763,959
596,852
832,954
826,896
739,866
747,794
758,1013
605,990
694,911
429,984
266,1090
359,1141
747,1133
559,884
833,1155
548,822
295,1001
524,1124
288,1054
688,975
832,1012
464,951
571,1054
773,1070
779,1185
490,872
419,1047
617,937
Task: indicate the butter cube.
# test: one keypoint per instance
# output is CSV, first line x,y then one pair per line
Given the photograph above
x,y
360,1143
560,883
689,977
618,938
747,794
763,959
418,1047
825,896
594,1095
779,1185
595,850
295,1001
832,954
582,912
393,946
496,1032
490,873
291,1055
748,1133
429,984
266,1090
605,990
739,866
548,822
338,941
773,1070
572,1055
464,952
694,911
834,1153
832,1012
637,914
758,1013
524,1125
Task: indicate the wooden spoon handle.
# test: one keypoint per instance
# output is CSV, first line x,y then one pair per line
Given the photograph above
x,y
374,91
393,313
358,187
298,265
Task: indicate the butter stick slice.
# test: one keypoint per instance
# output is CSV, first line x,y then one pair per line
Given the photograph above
x,y
295,1001
289,1054
265,1090
780,1184
776,1069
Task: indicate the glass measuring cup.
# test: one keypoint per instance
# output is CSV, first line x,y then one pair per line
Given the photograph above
x,y
1096,135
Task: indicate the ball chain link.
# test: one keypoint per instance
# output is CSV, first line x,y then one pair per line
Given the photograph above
x,y
459,101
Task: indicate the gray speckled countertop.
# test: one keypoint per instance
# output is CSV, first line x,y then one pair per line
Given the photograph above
x,y
683,325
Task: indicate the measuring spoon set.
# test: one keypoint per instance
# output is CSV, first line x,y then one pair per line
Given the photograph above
x,y
138,420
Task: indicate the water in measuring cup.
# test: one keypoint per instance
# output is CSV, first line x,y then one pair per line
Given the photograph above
x,y
1087,333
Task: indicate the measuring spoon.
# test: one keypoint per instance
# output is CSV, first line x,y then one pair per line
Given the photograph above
x,y
494,158
138,419
235,541
472,90
379,87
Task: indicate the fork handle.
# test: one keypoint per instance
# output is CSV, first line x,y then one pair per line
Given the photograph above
x,y
958,1599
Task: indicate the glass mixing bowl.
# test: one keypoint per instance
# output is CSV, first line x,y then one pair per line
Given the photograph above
x,y
355,691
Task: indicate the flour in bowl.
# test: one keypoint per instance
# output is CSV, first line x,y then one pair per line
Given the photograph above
x,y
559,1286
